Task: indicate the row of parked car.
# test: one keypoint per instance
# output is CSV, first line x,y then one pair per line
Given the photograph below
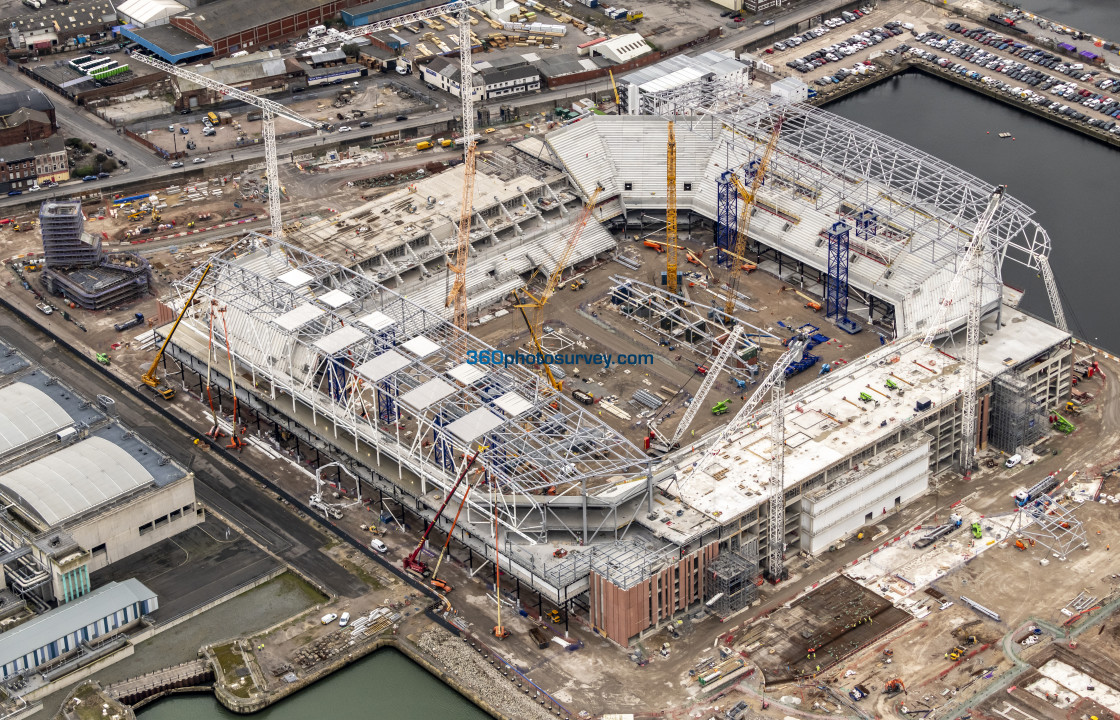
x,y
1030,77
1034,55
839,51
830,24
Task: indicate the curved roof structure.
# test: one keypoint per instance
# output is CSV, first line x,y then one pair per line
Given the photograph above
x,y
75,479
26,414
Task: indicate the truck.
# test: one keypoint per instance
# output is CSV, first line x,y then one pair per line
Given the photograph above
x,y
45,308
635,15
137,319
424,145
212,117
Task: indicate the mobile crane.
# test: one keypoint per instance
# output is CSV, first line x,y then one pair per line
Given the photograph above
x,y
149,378
744,224
412,563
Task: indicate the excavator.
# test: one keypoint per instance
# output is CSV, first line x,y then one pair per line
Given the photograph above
x,y
412,562
894,687
149,378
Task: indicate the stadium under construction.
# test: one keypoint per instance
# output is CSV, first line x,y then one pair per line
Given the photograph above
x,y
376,376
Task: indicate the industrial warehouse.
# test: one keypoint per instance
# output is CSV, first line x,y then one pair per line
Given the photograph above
x,y
81,492
350,348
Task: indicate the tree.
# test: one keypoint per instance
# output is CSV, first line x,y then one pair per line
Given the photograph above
x,y
350,50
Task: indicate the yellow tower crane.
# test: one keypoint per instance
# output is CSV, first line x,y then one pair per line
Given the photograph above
x,y
745,216
671,212
458,294
536,303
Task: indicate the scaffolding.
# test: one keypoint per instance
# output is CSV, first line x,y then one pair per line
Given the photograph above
x,y
1050,524
729,580
727,219
1017,420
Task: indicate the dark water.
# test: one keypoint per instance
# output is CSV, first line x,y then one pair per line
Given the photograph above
x,y
384,685
1068,179
1099,17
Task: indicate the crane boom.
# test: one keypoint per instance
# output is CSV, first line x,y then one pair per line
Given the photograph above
x,y
149,378
412,561
270,110
969,411
671,211
702,392
537,302
748,212
794,352
617,102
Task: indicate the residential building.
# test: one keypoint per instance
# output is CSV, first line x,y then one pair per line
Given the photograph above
x,y
489,81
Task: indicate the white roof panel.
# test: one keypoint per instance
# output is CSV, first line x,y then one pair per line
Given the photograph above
x,y
298,317
466,373
382,366
295,278
339,340
427,394
513,404
420,346
474,425
336,298
377,320
26,414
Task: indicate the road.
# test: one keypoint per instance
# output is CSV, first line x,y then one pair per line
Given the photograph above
x,y
218,483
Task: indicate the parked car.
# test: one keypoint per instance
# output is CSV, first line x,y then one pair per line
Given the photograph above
x,y
329,618
176,164
109,152
102,175
768,23
378,546
401,118
365,124
12,193
344,619
89,178
198,160
344,128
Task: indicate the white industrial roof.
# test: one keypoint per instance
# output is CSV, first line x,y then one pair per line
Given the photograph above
x,y
295,278
336,298
376,320
466,373
340,339
427,394
27,413
296,318
75,479
623,48
420,346
474,425
145,11
513,404
382,366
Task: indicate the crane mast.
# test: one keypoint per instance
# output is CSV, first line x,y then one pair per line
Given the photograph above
x,y
270,110
671,212
458,294
744,224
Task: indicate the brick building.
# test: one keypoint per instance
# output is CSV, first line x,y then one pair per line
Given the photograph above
x,y
26,115
229,26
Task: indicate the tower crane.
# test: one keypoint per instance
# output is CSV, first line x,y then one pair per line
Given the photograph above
x,y
536,303
671,211
748,212
972,267
270,110
774,384
664,446
458,294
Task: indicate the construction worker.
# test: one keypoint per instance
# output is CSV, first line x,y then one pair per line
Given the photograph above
x,y
812,653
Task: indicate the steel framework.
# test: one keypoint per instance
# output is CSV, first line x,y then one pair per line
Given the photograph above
x,y
836,291
1017,420
727,218
366,362
1051,525
925,207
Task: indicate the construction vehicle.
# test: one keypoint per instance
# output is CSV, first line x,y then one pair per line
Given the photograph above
x,y
412,562
748,211
103,358
891,384
955,653
865,397
137,319
894,687
553,616
424,145
858,692
655,245
441,585
634,16
149,378
578,284
1020,545
1062,425
537,302
721,407
617,102
977,531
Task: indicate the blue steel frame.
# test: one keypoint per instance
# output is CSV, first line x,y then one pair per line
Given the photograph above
x,y
836,292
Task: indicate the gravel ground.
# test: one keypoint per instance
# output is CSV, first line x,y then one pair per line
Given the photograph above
x,y
477,675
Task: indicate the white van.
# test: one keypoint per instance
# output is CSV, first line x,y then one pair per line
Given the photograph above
x,y
1013,461
379,546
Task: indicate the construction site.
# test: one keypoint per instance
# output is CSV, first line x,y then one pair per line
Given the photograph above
x,y
644,371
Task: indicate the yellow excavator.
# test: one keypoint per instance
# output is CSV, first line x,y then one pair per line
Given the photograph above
x,y
149,378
